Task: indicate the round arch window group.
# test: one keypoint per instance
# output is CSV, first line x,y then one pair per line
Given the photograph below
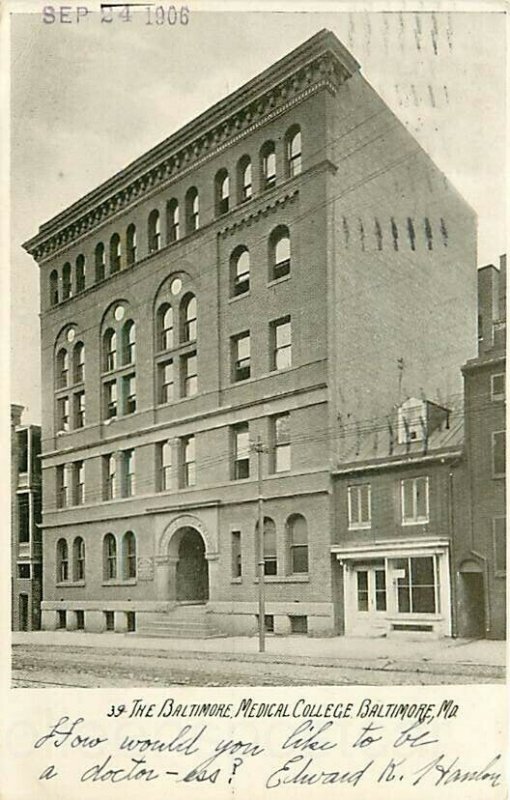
x,y
119,558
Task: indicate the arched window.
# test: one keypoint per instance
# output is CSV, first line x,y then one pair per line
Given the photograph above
x,y
293,151
78,559
172,225
79,362
269,546
99,262
115,253
244,179
189,318
109,350
62,561
239,271
192,210
279,253
129,555
80,273
297,538
267,166
154,231
165,327
109,557
129,342
62,368
221,192
67,281
131,244
53,288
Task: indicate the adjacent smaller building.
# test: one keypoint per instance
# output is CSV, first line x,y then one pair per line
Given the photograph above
x,y
26,547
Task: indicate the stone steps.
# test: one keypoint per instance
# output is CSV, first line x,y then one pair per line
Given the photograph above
x,y
181,622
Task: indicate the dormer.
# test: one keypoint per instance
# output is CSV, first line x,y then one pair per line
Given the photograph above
x,y
416,419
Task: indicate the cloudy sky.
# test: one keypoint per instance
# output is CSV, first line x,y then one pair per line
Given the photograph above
x,y
87,99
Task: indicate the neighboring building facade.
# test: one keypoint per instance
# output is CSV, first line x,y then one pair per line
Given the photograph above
x,y
26,549
481,545
257,274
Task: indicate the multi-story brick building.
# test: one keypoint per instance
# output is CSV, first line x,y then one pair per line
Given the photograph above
x,y
481,544
275,269
26,550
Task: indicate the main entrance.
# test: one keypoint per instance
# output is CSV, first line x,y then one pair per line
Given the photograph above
x,y
370,602
192,577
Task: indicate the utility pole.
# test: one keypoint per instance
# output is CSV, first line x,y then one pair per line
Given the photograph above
x,y
258,448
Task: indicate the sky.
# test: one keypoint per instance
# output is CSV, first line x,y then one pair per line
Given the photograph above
x,y
88,98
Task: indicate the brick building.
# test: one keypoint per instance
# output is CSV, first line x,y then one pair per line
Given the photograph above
x,y
26,550
481,545
274,269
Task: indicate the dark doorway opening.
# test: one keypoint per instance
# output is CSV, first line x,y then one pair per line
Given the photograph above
x,y
23,612
472,612
192,571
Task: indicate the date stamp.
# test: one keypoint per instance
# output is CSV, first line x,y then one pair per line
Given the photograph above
x,y
112,13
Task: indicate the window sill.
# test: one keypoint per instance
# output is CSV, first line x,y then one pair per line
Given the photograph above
x,y
236,580
69,584
117,582
304,578
367,527
409,522
276,281
239,296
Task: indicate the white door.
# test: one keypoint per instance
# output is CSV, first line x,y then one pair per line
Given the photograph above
x,y
368,599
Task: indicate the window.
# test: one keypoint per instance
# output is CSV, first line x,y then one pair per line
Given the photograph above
x,y
165,327
154,231
131,621
268,166
293,147
79,362
189,375
164,466
237,568
80,273
62,486
192,210
129,342
109,482
359,501
109,350
80,620
78,559
54,288
281,344
244,180
109,620
281,442
24,518
498,454
109,557
62,368
110,399
416,589
99,262
241,451
188,461
499,538
67,282
128,473
298,624
63,414
165,382
115,253
269,546
129,555
498,387
131,245
241,359
239,271
22,437
78,471
23,570
297,532
189,317
415,500
62,561
172,221
61,618
279,253
222,191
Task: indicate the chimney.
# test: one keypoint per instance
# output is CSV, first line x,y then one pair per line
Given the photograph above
x,y
488,283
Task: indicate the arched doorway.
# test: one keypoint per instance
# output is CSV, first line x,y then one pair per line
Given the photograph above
x,y
192,576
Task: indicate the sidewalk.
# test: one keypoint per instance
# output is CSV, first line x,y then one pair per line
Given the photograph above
x,y
375,653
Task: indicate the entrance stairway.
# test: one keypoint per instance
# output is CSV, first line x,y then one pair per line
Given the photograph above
x,y
184,621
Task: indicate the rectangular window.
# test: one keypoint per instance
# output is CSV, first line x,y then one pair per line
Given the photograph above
x,y
498,454
78,483
416,589
79,410
189,375
166,382
110,399
270,558
63,414
499,537
109,620
128,473
80,620
62,487
298,624
415,500
281,345
281,442
22,438
359,500
24,518
241,447
109,483
61,618
188,465
241,359
237,569
498,387
23,570
164,466
129,394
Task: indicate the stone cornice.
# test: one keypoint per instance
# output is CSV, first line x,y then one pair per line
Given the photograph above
x,y
321,62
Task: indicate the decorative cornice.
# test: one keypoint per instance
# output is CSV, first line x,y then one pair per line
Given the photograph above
x,y
320,63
